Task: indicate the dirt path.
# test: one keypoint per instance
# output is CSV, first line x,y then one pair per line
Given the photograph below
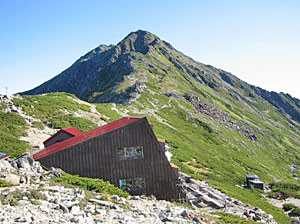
x,y
279,203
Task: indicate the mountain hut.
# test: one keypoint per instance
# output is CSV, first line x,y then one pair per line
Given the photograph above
x,y
125,152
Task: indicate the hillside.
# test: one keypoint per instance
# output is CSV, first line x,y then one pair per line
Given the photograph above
x,y
219,127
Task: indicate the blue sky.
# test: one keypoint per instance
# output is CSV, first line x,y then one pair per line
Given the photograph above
x,y
258,41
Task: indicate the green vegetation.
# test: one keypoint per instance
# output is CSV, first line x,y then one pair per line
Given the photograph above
x,y
105,109
288,207
286,189
295,212
90,184
12,126
38,125
3,183
2,106
231,219
13,197
62,121
185,205
51,109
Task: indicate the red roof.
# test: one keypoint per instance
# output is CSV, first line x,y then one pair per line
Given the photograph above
x,y
70,130
85,136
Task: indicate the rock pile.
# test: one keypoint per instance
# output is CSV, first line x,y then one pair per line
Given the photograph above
x,y
201,195
220,116
7,100
34,199
8,106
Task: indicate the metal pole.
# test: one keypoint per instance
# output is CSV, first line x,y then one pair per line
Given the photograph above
x,y
6,89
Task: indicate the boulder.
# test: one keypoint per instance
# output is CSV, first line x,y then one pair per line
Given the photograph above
x,y
184,214
103,203
76,210
63,208
55,172
5,166
13,179
24,163
115,197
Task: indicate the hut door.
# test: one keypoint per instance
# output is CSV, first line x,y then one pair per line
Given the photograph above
x,y
134,186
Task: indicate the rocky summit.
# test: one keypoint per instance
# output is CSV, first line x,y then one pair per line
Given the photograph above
x,y
118,73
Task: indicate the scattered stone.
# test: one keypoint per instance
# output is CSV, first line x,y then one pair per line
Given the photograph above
x,y
76,210
61,204
115,197
103,203
184,214
63,208
12,178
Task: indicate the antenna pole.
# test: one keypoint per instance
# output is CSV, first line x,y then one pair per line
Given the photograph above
x,y
6,89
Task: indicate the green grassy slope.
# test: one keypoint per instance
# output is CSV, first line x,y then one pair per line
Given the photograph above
x,y
201,146
212,142
211,151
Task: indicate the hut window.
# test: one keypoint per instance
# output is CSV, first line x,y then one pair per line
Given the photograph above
x,y
135,152
133,185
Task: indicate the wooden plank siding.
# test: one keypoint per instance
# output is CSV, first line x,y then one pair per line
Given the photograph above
x,y
61,136
97,158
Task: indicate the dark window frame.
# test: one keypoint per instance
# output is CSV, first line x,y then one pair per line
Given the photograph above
x,y
130,152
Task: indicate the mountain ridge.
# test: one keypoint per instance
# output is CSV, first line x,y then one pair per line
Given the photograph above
x,y
98,75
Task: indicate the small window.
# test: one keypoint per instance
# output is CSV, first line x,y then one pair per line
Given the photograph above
x,y
135,152
133,185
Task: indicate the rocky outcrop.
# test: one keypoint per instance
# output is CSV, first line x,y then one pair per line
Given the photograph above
x,y
25,170
283,102
8,107
201,195
124,97
221,116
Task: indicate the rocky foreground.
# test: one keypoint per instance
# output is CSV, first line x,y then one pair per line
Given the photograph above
x,y
36,199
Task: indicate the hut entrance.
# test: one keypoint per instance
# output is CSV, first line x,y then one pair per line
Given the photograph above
x,y
134,186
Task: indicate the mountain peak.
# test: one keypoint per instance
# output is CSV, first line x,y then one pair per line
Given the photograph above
x,y
138,41
121,73
141,34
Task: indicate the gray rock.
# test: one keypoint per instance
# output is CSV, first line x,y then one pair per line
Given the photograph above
x,y
24,163
56,200
63,208
103,203
115,197
80,194
101,211
196,220
13,164
22,180
74,219
76,211
70,204
44,207
20,219
184,214
54,172
12,178
5,166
